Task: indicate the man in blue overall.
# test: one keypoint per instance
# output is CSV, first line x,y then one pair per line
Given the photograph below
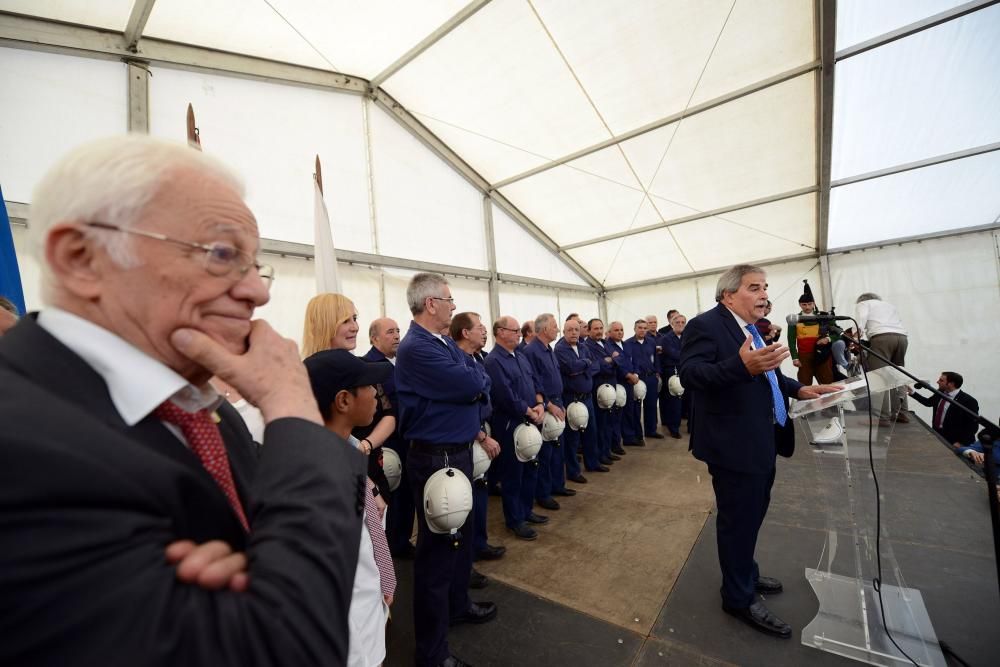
x,y
517,399
600,351
440,397
578,369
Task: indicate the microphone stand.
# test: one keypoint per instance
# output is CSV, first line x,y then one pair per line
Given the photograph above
x,y
987,438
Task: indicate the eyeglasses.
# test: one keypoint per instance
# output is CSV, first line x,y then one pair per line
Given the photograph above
x,y
510,330
449,299
219,259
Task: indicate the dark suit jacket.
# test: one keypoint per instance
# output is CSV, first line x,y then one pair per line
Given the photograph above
x,y
957,426
732,422
88,504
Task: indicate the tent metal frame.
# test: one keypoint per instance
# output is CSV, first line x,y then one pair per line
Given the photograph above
x,y
139,52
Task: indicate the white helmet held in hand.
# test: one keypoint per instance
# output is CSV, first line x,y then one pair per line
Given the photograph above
x,y
621,396
674,386
392,467
639,390
552,428
577,416
527,442
447,500
480,461
605,396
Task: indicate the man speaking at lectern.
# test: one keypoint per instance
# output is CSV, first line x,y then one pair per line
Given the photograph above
x,y
739,421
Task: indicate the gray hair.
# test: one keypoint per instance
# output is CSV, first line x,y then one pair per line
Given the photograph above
x,y
112,180
543,320
422,286
8,305
731,280
868,296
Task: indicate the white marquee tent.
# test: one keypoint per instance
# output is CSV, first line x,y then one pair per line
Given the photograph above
x,y
593,156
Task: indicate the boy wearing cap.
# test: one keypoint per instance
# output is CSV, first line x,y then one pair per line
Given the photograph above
x,y
344,387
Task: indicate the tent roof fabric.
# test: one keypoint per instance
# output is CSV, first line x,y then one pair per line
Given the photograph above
x,y
647,139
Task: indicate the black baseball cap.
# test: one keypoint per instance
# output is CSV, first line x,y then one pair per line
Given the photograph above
x,y
333,371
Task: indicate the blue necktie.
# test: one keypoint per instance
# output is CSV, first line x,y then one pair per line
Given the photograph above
x,y
780,415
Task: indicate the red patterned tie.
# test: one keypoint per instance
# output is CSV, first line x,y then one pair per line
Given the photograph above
x,y
939,414
205,441
380,546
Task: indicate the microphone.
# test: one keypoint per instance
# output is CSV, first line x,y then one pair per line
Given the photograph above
x,y
818,318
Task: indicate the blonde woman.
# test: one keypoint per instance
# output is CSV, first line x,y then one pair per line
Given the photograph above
x,y
331,324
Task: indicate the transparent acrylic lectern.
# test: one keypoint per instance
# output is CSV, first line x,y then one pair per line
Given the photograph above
x,y
834,430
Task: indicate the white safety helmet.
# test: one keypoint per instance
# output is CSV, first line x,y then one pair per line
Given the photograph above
x,y
639,390
605,396
527,442
447,500
480,461
552,428
392,467
830,434
621,396
577,416
674,386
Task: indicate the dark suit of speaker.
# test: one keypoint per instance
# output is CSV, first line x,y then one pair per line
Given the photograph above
x,y
958,426
88,505
734,432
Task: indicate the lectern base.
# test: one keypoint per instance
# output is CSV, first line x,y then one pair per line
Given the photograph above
x,y
849,622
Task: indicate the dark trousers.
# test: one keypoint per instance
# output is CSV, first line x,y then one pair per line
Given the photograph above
x,y
742,501
615,427
631,417
543,486
603,418
573,439
670,411
649,405
517,481
440,571
399,516
480,503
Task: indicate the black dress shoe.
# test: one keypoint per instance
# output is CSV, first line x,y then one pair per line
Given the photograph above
x,y
491,553
637,443
478,612
537,519
579,479
675,435
768,585
523,532
406,553
614,457
606,461
759,617
599,469
452,661
618,450
477,580
564,492
656,436
548,503
495,491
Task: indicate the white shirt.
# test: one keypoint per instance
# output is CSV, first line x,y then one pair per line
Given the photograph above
x,y
944,410
878,317
742,324
136,382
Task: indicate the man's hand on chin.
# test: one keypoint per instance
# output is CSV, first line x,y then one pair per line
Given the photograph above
x,y
817,390
212,565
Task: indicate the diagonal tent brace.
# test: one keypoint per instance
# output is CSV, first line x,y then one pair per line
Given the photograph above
x,y
137,23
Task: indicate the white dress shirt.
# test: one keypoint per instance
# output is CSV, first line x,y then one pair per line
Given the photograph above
x,y
878,317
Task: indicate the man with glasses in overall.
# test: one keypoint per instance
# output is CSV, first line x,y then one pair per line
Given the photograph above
x,y
440,395
128,483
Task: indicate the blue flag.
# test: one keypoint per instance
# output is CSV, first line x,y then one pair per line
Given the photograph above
x,y
10,274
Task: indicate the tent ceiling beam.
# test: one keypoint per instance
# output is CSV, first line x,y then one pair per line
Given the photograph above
x,y
918,164
917,238
429,41
914,28
137,22
432,142
510,278
709,272
826,41
695,216
667,120
30,33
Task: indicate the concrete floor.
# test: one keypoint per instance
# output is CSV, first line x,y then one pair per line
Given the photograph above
x,y
635,544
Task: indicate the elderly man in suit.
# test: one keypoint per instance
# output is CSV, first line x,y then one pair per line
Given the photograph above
x,y
739,418
116,449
